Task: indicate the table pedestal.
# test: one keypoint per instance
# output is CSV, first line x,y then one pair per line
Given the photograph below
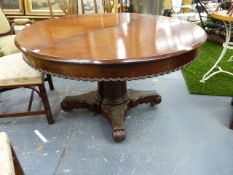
x,y
113,100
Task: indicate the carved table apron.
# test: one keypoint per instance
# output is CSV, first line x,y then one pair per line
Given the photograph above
x,y
110,49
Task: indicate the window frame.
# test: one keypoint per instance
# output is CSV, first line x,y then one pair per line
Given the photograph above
x,y
25,9
19,11
30,11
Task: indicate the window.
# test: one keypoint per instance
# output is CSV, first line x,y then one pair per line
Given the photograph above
x,y
40,7
12,6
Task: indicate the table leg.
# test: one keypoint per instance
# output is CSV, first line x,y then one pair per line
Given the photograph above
x,y
115,115
113,100
81,101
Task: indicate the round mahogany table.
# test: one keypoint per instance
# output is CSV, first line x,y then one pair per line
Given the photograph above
x,y
110,49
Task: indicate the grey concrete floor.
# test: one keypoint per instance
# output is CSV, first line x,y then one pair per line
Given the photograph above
x,y
184,135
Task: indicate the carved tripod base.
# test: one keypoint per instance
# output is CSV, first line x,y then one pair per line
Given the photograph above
x,y
113,100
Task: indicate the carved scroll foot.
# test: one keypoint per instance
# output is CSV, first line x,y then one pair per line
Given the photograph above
x,y
115,115
140,97
87,101
118,135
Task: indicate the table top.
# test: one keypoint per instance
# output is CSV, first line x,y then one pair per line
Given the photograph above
x,y
100,45
222,15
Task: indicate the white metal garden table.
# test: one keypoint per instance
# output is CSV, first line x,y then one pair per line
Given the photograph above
x,y
215,69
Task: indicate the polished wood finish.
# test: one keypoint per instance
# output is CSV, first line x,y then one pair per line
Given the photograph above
x,y
113,100
100,45
110,49
45,102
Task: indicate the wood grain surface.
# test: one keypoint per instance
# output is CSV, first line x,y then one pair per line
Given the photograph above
x,y
100,45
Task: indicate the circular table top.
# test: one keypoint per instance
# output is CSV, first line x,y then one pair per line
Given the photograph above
x,y
110,46
222,15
